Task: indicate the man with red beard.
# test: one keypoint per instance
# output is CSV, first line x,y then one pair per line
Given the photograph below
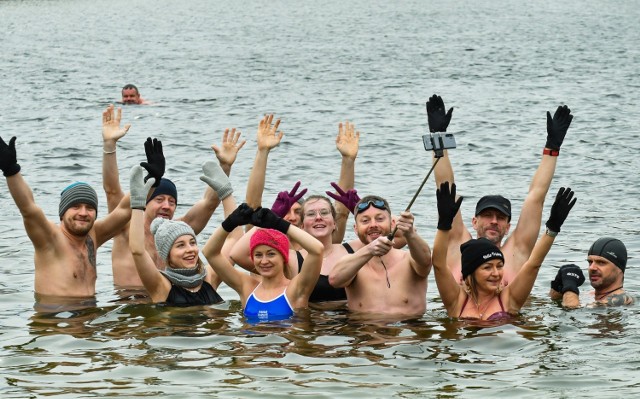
x,y
379,278
65,254
607,260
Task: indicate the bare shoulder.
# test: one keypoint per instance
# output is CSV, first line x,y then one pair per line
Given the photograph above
x,y
619,299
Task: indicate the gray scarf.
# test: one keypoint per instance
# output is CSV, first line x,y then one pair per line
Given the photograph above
x,y
187,278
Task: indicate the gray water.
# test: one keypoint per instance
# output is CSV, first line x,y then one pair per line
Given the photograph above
x,y
211,65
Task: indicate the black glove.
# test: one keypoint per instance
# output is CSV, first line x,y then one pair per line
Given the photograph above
x,y
560,209
438,120
264,217
447,205
557,127
239,217
8,162
155,160
569,278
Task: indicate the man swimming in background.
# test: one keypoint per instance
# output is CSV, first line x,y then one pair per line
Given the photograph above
x,y
607,260
492,218
131,95
379,278
65,253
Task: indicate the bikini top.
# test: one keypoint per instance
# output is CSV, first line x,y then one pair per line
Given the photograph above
x,y
501,315
278,308
324,291
180,296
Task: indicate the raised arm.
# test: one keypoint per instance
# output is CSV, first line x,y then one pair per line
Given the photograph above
x,y
448,287
418,247
112,224
198,216
526,232
157,286
212,250
304,282
267,138
39,229
347,143
111,133
518,290
443,172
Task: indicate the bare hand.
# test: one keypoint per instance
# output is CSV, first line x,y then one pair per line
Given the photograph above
x,y
347,141
268,134
405,223
111,130
228,151
380,246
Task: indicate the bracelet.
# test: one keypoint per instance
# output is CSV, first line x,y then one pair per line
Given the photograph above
x,y
109,152
553,153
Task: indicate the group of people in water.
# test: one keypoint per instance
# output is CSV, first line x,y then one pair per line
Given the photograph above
x,y
291,255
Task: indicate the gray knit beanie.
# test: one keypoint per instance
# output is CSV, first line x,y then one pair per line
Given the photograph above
x,y
77,193
166,232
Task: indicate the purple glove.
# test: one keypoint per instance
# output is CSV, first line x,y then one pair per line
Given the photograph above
x,y
348,199
285,200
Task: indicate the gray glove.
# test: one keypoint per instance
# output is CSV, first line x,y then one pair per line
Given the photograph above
x,y
215,177
138,188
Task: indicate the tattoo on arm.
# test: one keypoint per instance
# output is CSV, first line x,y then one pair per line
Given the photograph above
x,y
619,299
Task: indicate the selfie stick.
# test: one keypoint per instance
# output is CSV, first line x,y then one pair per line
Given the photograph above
x,y
438,156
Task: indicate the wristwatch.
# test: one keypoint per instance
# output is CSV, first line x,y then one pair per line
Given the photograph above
x,y
551,233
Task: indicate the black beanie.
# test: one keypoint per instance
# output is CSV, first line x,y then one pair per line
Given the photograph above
x,y
166,187
477,252
612,249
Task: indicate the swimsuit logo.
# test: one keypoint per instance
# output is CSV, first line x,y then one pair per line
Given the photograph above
x,y
263,314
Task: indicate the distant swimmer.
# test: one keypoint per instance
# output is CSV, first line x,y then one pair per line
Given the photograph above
x,y
65,253
131,95
607,259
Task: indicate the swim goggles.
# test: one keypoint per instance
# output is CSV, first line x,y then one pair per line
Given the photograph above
x,y
363,206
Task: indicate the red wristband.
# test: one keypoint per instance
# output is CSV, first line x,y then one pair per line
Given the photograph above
x,y
553,153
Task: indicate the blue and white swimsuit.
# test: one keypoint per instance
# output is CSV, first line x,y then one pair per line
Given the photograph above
x,y
278,308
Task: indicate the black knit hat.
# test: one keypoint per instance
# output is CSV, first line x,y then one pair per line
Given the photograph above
x,y
477,252
166,187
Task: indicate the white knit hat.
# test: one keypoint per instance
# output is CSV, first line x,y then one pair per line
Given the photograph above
x,y
166,232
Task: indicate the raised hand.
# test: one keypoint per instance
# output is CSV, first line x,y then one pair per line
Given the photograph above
x,y
239,217
268,134
8,161
560,209
285,200
557,127
447,205
266,218
155,164
349,198
228,150
215,177
347,140
111,130
438,120
139,187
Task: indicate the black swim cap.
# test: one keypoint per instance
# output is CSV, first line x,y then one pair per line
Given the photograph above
x,y
611,249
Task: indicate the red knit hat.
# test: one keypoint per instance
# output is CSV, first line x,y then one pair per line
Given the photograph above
x,y
272,238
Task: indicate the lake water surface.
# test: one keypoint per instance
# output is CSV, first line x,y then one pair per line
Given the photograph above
x,y
211,65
